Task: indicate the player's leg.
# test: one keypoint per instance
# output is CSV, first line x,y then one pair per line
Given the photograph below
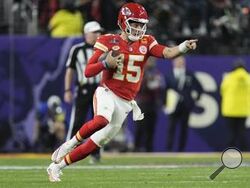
x,y
80,110
83,104
104,135
80,152
103,113
97,140
77,154
95,155
89,128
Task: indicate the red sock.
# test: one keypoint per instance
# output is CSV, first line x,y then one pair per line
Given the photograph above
x,y
81,152
90,127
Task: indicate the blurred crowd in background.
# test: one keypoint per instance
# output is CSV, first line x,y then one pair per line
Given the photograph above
x,y
222,26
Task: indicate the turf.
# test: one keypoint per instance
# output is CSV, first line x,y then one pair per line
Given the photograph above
x,y
125,171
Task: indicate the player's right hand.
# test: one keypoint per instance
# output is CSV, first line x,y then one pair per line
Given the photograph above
x,y
113,61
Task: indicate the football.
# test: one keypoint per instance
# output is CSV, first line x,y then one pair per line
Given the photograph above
x,y
115,51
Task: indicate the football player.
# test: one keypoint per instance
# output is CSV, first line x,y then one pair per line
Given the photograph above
x,y
122,59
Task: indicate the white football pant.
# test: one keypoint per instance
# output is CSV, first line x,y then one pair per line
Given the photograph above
x,y
114,109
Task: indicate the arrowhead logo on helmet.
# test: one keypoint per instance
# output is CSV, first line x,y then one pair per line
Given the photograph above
x,y
125,11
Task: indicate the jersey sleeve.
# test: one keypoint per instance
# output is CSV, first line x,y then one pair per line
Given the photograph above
x,y
152,42
102,43
155,49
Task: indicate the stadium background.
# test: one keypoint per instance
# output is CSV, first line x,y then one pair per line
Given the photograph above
x,y
32,69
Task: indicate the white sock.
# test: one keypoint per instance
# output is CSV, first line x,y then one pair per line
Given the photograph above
x,y
62,164
73,142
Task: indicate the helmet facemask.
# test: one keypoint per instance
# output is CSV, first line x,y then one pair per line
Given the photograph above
x,y
135,33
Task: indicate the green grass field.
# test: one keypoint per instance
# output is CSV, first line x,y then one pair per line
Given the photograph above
x,y
126,170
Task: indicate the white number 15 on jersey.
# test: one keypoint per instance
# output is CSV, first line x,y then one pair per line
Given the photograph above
x,y
131,67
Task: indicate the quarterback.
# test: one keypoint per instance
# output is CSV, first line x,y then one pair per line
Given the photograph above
x,y
121,58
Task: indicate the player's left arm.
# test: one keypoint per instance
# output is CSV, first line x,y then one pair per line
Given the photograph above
x,y
171,52
159,50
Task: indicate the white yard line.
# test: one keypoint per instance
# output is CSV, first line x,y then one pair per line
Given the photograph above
x,y
106,167
129,155
174,166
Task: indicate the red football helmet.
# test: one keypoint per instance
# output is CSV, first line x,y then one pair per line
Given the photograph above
x,y
133,12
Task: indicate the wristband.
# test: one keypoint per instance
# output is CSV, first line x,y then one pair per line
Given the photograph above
x,y
105,64
182,47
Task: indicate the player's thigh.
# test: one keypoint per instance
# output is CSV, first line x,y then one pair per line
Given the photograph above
x,y
103,103
104,135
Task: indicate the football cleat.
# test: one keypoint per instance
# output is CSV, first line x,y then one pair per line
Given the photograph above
x,y
60,152
54,172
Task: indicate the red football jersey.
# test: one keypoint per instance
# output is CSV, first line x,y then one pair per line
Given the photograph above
x,y
126,79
